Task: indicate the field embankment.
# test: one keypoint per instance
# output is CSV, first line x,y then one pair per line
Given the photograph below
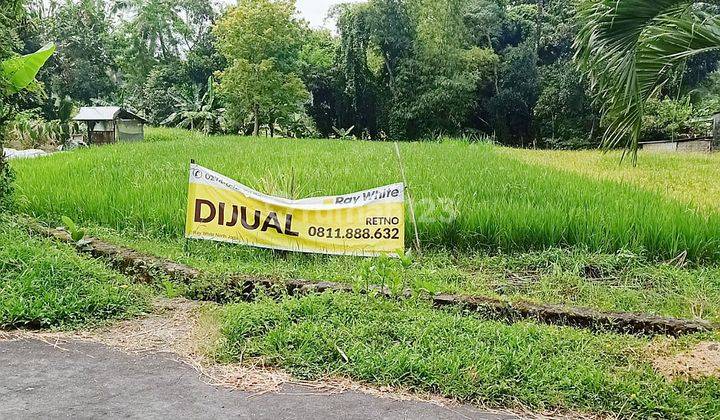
x,y
46,285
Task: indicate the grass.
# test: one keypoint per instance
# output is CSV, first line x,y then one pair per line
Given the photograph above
x,y
47,285
409,345
469,196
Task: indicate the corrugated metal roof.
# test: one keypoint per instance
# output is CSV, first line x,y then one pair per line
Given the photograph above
x,y
105,113
97,113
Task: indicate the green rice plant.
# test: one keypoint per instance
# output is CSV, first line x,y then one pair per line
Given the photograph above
x,y
468,196
410,345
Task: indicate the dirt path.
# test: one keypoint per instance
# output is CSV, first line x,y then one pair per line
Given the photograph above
x,y
155,366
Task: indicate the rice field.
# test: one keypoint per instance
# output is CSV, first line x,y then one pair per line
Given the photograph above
x,y
690,178
551,227
468,196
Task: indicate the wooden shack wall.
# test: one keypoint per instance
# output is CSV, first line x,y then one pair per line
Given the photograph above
x,y
101,132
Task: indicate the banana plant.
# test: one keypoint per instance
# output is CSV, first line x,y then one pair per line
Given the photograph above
x,y
16,73
33,133
76,234
198,113
344,134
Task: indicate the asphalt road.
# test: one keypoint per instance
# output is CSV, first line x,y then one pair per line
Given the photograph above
x,y
87,380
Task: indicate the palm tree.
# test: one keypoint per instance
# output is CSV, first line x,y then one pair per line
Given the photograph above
x,y
197,113
629,47
155,23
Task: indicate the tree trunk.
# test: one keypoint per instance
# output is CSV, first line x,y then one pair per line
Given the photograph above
x,y
163,48
495,69
391,76
538,30
256,116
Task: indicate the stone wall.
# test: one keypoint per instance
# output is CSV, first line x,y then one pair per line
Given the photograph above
x,y
695,146
660,147
680,146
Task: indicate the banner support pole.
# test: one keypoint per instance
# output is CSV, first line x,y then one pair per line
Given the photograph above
x,y
410,200
186,245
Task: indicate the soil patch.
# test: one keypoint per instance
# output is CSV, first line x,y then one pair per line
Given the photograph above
x,y
700,362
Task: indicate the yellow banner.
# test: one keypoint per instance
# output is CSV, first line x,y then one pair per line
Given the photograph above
x,y
367,223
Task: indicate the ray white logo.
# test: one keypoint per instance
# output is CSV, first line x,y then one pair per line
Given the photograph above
x,y
372,195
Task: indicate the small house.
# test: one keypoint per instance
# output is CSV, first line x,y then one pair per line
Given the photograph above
x,y
110,124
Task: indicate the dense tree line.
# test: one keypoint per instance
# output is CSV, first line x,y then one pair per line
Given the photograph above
x,y
398,69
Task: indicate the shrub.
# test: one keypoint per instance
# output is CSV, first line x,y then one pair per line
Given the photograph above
x,y
31,131
668,119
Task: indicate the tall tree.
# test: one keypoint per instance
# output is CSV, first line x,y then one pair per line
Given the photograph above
x,y
319,73
512,108
154,23
160,31
357,84
261,40
83,68
412,64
